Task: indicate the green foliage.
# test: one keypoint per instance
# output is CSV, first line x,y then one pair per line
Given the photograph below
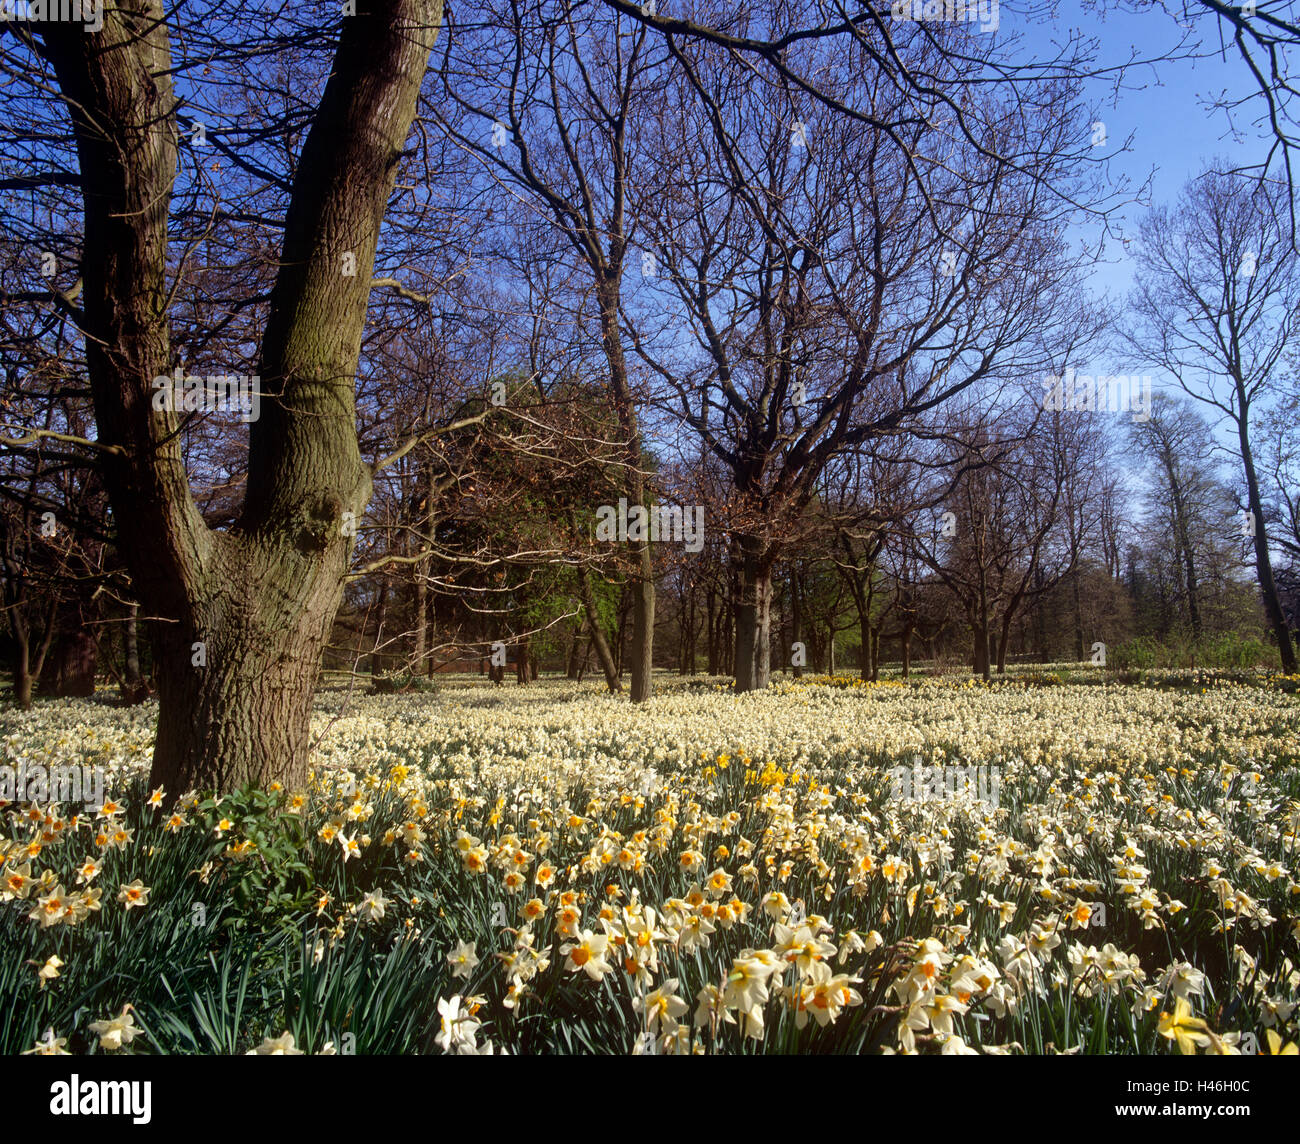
x,y
1222,652
270,880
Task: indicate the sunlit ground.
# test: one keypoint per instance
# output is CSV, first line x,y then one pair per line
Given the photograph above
x,y
549,868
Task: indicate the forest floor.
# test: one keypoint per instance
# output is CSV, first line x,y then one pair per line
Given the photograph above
x,y
1057,862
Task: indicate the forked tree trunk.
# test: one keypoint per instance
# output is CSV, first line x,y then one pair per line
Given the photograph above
x,y
245,612
235,688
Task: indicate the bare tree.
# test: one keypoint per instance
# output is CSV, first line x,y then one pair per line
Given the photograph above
x,y
842,276
550,97
1217,305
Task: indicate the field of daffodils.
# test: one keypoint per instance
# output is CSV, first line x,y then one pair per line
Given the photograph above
x,y
550,869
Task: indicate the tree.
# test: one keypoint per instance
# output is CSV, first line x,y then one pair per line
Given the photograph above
x,y
244,611
550,97
1217,305
1175,440
843,277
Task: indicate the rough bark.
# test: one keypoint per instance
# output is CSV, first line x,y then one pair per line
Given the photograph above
x,y
23,676
131,637
753,617
69,672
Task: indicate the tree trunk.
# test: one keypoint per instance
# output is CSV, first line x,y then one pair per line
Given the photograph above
x,y
796,624
236,707
70,672
421,609
643,584
711,633
597,635
1184,539
620,639
23,675
980,628
421,542
690,646
1040,620
571,658
521,661
684,635
132,639
726,644
754,617
1078,617
378,660
1263,562
1002,643
245,611
643,627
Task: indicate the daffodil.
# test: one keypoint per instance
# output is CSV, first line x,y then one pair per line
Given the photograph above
x,y
661,1006
281,1046
1180,1026
462,959
133,894
587,954
116,1031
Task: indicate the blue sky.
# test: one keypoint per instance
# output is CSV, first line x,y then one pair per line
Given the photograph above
x,y
1174,134
1164,108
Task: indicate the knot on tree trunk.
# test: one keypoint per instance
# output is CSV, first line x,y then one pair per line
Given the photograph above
x,y
324,523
